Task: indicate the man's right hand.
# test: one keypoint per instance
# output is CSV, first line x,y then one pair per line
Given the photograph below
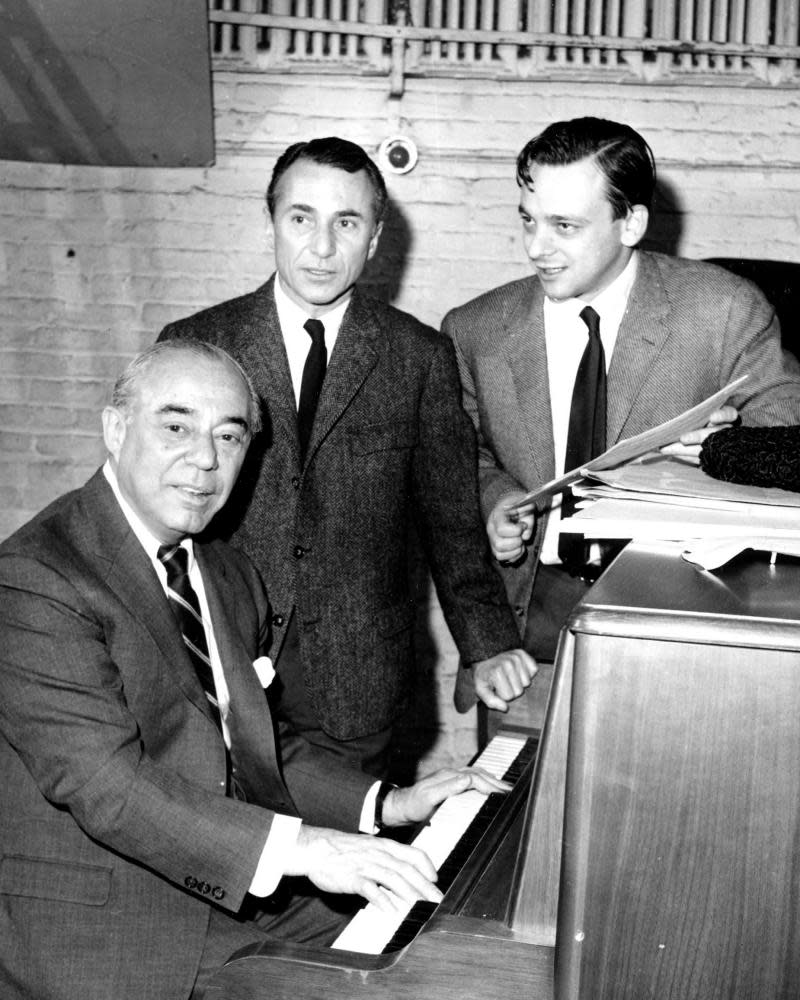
x,y
362,864
508,532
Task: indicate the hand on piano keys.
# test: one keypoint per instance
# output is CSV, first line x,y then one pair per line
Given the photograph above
x,y
417,803
389,875
446,841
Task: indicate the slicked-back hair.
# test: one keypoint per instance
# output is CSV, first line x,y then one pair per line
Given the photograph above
x,y
331,152
620,153
127,385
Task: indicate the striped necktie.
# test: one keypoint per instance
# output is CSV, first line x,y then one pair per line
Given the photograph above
x,y
186,608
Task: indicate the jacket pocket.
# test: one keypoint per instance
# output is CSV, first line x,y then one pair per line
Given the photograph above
x,y
383,437
65,882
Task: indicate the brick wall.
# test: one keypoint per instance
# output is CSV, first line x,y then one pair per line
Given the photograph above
x,y
93,261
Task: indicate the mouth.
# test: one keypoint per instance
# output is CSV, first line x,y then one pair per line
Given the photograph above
x,y
549,271
194,494
319,272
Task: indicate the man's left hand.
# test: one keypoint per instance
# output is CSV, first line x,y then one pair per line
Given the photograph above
x,y
502,678
688,446
417,802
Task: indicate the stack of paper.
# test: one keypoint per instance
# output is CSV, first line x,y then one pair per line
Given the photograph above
x,y
660,498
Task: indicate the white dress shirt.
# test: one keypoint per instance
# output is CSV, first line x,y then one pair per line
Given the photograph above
x,y
292,318
565,336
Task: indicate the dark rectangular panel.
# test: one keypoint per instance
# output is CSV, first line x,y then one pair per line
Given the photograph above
x,y
106,82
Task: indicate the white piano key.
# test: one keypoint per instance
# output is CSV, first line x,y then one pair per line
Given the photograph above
x,y
371,929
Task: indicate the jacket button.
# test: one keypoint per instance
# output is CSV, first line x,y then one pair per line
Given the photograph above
x,y
190,882
278,620
204,887
299,551
296,482
217,892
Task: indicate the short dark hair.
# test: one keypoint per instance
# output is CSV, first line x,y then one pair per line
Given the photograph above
x,y
331,152
620,152
128,382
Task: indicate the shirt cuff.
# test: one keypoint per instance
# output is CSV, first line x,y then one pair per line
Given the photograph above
x,y
367,822
272,863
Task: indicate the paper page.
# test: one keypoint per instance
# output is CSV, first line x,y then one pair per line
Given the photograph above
x,y
640,444
663,477
632,519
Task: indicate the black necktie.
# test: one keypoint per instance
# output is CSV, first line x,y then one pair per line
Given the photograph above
x,y
186,608
586,437
311,386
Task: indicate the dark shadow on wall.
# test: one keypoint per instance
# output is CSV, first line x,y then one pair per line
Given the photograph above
x,y
383,275
665,230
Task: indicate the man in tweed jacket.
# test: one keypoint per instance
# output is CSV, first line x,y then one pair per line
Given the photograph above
x,y
674,331
390,448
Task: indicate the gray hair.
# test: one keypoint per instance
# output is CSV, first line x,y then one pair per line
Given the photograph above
x,y
128,382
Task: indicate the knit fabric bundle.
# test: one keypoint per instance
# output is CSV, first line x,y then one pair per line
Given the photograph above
x,y
754,456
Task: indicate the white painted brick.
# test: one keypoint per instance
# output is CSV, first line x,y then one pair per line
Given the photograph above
x,y
94,261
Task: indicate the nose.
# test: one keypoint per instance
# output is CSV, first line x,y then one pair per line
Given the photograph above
x,y
203,452
323,243
538,243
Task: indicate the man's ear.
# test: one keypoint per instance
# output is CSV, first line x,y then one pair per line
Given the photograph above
x,y
635,225
114,428
270,233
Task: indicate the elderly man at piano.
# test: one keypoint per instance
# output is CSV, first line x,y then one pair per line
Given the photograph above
x,y
149,823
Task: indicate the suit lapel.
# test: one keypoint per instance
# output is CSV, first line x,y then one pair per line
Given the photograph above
x,y
119,557
262,353
249,721
354,356
641,337
526,355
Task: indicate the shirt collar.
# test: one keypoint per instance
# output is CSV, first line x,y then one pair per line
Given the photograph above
x,y
614,298
292,317
148,540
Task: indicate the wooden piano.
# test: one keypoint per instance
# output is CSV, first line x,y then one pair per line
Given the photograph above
x,y
651,847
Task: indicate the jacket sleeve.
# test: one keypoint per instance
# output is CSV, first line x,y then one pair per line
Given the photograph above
x,y
63,709
446,496
752,346
494,481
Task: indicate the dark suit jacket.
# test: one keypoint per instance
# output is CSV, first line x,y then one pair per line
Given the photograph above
x,y
390,446
115,831
689,328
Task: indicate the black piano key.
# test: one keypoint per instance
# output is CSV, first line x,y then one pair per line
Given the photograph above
x,y
422,910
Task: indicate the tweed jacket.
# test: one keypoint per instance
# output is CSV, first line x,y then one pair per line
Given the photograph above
x,y
116,834
688,329
390,447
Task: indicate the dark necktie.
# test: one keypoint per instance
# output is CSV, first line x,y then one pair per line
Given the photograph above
x,y
586,437
186,608
311,386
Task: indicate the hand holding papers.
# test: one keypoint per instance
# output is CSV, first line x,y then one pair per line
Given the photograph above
x,y
635,447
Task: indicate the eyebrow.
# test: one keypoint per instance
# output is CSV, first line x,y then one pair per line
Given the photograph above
x,y
310,210
555,217
188,411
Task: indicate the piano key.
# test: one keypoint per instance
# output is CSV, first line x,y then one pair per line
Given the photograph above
x,y
447,839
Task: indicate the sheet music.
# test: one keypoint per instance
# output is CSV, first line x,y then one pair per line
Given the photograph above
x,y
634,447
